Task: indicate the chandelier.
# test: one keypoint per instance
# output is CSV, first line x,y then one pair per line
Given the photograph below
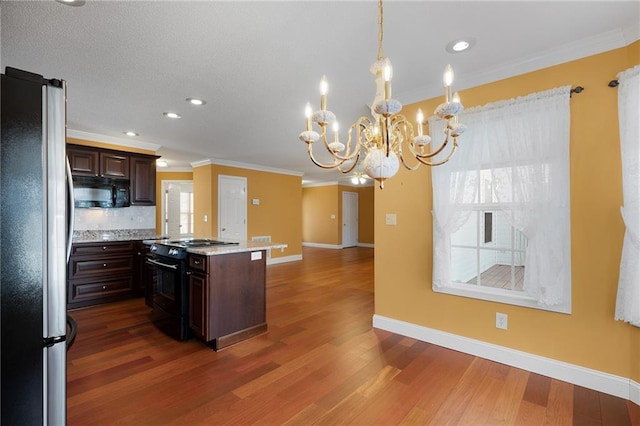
x,y
380,141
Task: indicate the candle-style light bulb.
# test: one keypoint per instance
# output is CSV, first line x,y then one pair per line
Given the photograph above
x,y
324,87
447,78
307,113
456,98
388,73
420,120
335,131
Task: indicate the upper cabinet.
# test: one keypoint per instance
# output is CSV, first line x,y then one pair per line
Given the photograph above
x,y
139,169
114,165
143,180
87,161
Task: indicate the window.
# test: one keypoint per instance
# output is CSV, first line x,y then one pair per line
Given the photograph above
x,y
486,250
501,220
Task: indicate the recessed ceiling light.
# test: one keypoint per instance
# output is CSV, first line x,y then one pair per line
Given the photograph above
x,y
130,133
72,2
196,101
460,45
161,163
172,114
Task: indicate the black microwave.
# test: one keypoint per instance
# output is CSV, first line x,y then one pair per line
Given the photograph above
x,y
100,192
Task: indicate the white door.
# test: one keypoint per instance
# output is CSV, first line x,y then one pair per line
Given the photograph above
x,y
177,208
232,208
349,219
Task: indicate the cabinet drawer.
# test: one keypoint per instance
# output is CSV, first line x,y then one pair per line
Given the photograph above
x,y
79,291
82,268
102,248
198,263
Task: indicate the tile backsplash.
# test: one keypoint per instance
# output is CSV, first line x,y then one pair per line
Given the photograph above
x,y
122,218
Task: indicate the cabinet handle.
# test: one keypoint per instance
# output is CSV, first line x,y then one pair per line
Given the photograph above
x,y
196,262
104,247
189,272
104,264
104,287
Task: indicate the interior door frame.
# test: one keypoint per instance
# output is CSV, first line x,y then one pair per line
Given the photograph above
x,y
163,184
237,178
354,196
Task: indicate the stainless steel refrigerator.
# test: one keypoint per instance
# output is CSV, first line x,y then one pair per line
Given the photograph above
x,y
35,228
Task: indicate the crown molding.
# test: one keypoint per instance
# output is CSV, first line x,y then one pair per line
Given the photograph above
x,y
248,166
173,169
567,52
95,137
312,185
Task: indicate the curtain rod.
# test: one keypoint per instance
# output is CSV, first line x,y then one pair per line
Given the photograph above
x,y
577,89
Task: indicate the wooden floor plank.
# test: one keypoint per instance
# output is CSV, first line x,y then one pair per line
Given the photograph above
x,y
320,362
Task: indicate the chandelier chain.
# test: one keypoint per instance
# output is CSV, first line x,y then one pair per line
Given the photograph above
x,y
380,30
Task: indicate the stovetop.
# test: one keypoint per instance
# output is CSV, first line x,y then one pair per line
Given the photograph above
x,y
177,249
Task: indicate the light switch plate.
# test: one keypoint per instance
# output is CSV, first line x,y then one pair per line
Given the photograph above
x,y
256,255
391,219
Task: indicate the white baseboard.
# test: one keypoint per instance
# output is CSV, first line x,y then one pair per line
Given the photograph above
x,y
367,245
593,379
634,392
284,259
319,245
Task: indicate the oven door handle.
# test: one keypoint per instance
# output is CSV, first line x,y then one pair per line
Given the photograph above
x,y
163,265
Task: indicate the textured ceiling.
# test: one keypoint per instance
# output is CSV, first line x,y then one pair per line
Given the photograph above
x,y
258,62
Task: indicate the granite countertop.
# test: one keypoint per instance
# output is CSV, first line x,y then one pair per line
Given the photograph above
x,y
242,246
106,235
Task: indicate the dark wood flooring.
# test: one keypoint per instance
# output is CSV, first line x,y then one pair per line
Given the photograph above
x,y
320,363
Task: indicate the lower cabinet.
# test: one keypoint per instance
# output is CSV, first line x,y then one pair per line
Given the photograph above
x,y
102,272
227,297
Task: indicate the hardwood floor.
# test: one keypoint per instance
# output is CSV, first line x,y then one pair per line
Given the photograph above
x,y
320,363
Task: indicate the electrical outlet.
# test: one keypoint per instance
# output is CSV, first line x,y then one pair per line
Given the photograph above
x,y
501,321
391,219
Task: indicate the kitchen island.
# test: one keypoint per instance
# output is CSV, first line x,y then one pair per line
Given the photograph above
x,y
225,283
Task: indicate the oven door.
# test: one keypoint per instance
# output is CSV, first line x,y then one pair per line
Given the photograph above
x,y
168,295
167,284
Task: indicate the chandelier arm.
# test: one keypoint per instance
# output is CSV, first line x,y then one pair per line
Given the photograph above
x,y
407,166
433,153
319,164
444,160
353,166
340,158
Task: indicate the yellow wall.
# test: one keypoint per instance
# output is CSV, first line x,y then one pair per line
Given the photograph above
x,y
588,337
319,203
160,176
365,214
279,213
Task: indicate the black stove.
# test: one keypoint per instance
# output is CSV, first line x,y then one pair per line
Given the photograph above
x,y
177,249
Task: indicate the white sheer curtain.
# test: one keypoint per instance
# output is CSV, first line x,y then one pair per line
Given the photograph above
x,y
628,300
525,142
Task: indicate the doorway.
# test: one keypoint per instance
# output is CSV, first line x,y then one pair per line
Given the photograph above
x,y
232,208
177,208
349,219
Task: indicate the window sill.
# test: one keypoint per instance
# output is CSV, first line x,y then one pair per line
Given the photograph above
x,y
500,296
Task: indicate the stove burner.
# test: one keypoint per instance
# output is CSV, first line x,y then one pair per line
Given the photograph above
x,y
200,242
177,249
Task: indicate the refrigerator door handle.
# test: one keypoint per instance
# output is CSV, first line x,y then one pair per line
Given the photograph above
x,y
71,210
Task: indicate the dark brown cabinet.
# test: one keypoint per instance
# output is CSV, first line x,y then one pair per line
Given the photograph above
x,y
141,276
84,162
114,165
227,297
101,272
139,169
143,180
87,161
